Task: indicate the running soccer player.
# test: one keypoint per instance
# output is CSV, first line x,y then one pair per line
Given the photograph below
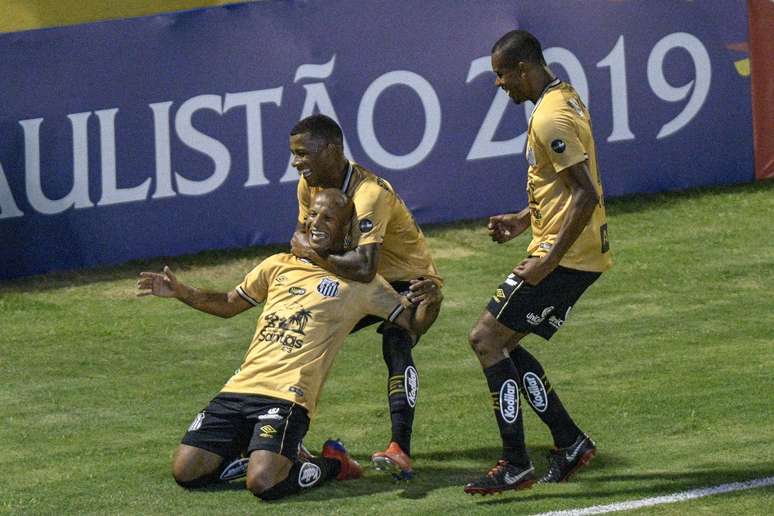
x,y
387,241
568,252
264,409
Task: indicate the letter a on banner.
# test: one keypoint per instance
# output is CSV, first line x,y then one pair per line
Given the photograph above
x,y
8,206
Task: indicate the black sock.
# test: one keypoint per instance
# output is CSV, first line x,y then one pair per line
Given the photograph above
x,y
543,399
202,481
504,390
207,478
402,384
303,475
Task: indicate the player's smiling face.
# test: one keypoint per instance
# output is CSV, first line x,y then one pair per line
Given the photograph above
x,y
326,225
313,158
509,78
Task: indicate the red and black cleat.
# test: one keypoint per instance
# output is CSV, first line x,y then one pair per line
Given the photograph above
x,y
395,461
350,469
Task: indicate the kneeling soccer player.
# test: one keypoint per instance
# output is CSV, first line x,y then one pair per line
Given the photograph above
x,y
263,410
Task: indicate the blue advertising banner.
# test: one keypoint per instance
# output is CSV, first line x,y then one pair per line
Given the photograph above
x,y
166,135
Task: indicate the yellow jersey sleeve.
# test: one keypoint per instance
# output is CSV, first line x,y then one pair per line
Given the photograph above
x,y
558,135
373,210
255,287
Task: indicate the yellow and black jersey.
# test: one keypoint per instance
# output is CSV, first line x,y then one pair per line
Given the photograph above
x,y
558,137
306,316
382,218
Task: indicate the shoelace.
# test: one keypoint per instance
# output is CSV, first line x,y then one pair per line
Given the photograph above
x,y
554,459
497,468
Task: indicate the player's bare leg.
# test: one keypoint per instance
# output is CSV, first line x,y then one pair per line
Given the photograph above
x,y
194,467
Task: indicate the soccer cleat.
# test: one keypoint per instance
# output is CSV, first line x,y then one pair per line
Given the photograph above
x,y
395,461
235,469
563,462
504,476
350,469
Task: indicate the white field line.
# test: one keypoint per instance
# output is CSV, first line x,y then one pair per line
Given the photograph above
x,y
659,500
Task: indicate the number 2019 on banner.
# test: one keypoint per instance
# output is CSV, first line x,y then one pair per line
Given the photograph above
x,y
694,92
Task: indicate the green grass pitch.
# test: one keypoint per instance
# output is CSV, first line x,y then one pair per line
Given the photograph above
x,y
667,362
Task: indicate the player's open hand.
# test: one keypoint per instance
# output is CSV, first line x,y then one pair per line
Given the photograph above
x,y
299,245
161,285
534,270
424,291
507,226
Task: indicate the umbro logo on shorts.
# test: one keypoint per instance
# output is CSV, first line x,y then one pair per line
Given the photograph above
x,y
268,431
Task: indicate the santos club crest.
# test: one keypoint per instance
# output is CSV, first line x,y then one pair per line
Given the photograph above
x,y
328,287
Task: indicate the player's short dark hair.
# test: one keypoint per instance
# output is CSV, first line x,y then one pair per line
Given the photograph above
x,y
520,45
320,126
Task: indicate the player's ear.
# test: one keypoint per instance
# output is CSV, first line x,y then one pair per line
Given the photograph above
x,y
334,151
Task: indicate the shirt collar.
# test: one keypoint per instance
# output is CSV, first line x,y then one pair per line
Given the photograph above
x,y
347,178
547,87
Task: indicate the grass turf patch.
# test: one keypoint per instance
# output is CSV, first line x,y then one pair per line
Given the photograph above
x,y
666,362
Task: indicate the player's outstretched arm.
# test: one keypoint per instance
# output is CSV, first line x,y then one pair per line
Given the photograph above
x,y
508,226
166,285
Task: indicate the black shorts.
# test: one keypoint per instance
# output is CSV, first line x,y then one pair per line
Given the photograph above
x,y
541,309
402,288
236,424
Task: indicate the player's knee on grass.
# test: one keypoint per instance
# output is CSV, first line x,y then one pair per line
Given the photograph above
x,y
257,483
194,467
